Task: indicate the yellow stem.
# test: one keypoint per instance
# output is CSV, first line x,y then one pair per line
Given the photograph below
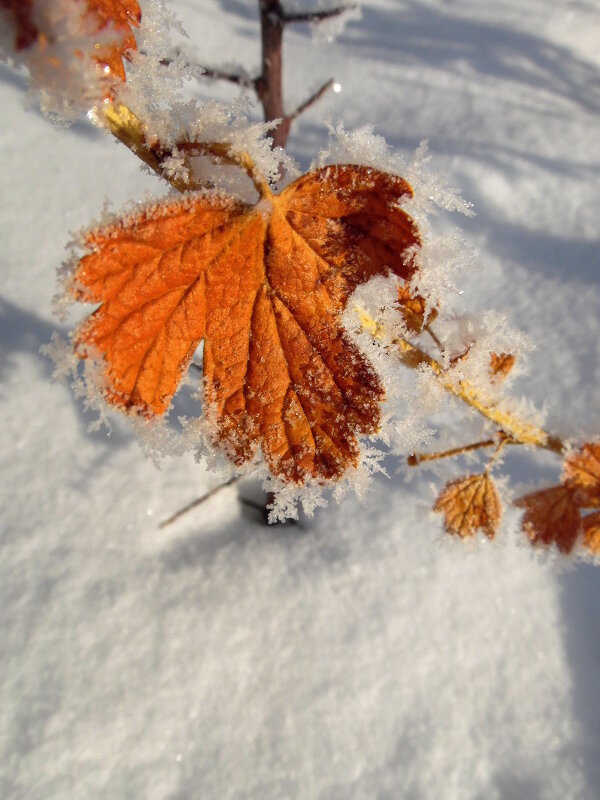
x,y
504,440
514,427
129,129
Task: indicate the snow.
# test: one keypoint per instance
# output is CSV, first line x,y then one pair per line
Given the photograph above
x,y
360,654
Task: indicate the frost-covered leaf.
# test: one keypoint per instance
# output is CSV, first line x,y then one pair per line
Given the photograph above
x,y
264,286
470,504
552,517
582,471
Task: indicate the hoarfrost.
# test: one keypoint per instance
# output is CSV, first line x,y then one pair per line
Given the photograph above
x,y
87,378
363,146
288,498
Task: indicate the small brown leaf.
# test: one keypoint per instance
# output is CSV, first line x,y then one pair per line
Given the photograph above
x,y
469,504
265,288
551,516
501,365
582,471
591,532
413,309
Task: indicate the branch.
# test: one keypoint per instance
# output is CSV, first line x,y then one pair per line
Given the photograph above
x,y
233,77
415,459
316,16
238,78
131,131
518,429
499,442
312,99
197,502
515,428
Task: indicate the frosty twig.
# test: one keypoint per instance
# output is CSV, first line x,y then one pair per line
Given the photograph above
x,y
518,430
129,129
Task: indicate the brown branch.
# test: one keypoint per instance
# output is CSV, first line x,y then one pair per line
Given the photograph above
x,y
418,458
269,85
197,502
238,78
131,131
233,77
311,100
316,16
427,327
509,424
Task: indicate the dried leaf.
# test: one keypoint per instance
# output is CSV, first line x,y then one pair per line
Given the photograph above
x,y
582,471
414,310
501,365
264,286
470,504
551,516
591,532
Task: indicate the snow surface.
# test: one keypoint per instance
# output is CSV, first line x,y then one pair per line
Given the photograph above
x,y
361,654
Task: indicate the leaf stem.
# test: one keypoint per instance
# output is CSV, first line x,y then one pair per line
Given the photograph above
x,y
129,129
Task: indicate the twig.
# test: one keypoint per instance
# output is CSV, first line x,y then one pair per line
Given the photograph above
x,y
268,86
233,77
213,72
516,428
418,458
427,327
504,440
499,442
197,502
312,99
512,426
131,131
316,16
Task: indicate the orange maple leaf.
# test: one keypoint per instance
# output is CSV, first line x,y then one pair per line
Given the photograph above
x,y
501,365
264,286
552,516
121,15
470,504
582,471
